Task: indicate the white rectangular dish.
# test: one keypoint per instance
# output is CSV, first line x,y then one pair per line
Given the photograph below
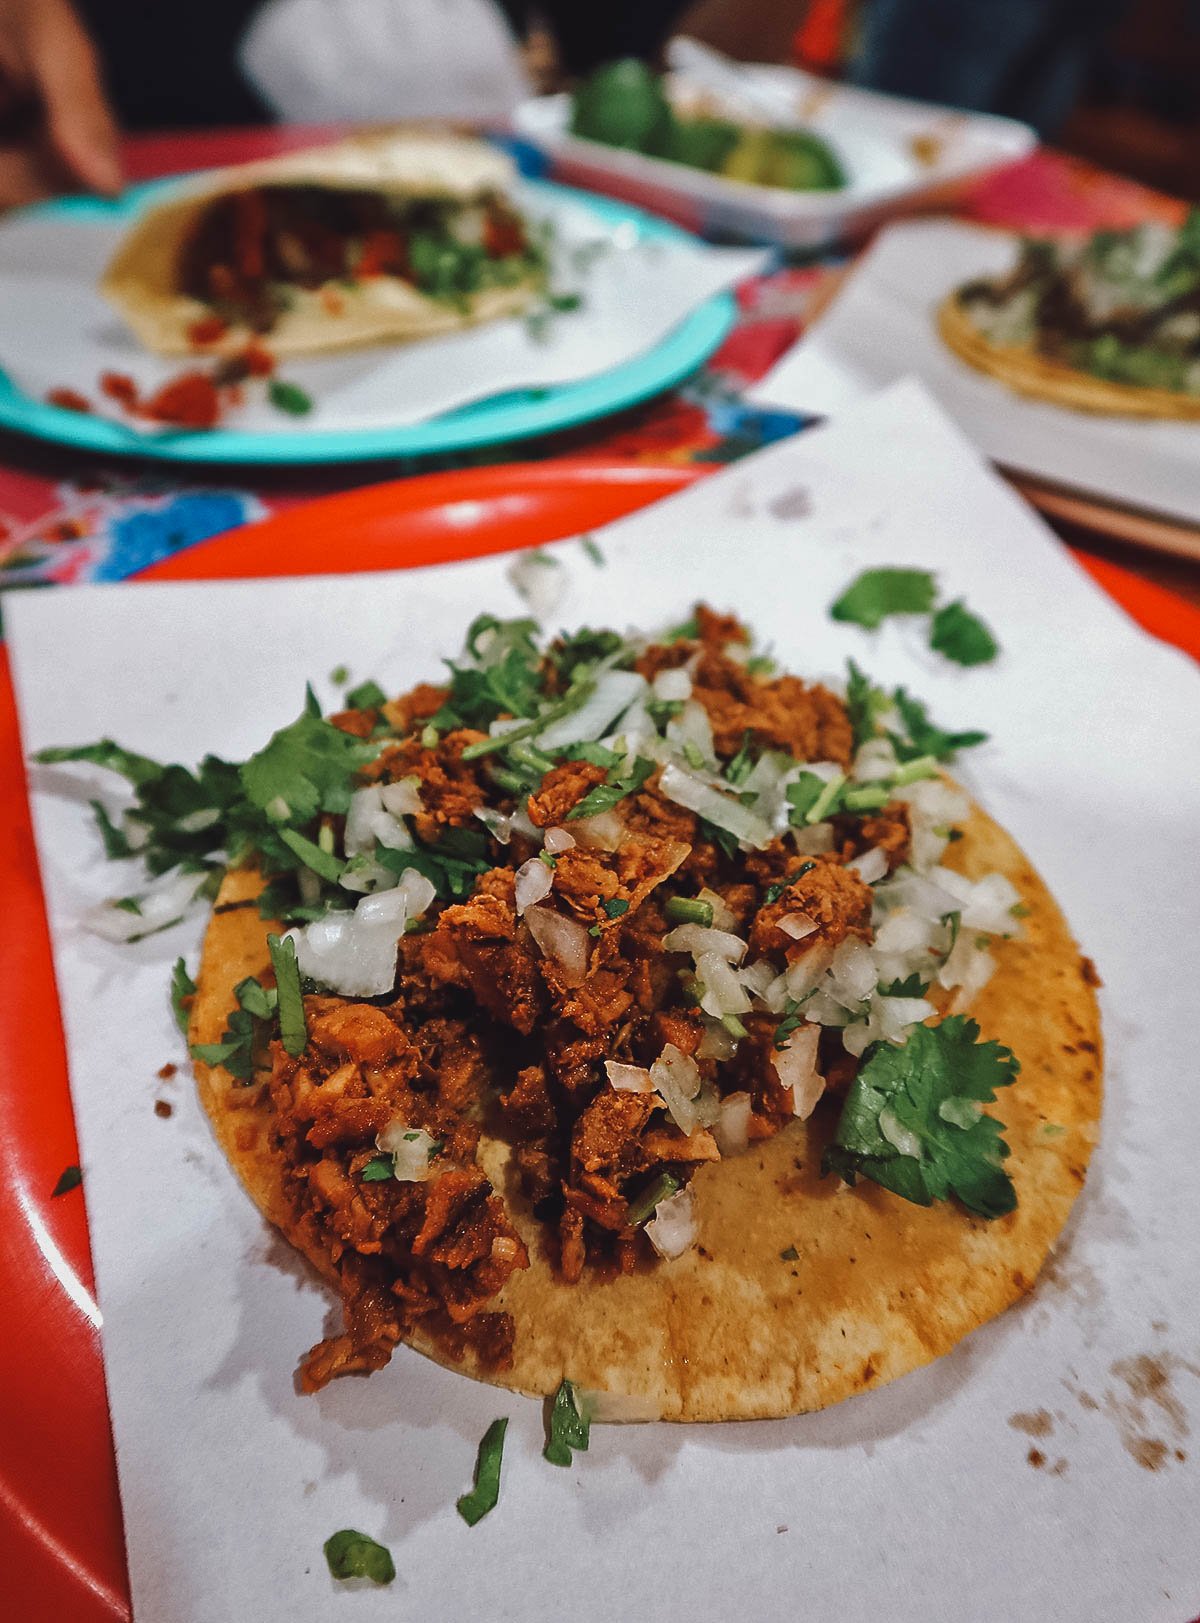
x,y
900,156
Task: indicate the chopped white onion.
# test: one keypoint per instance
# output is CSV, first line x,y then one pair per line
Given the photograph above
x,y
723,991
677,1078
797,925
370,819
796,1067
163,902
852,974
871,866
901,1137
723,916
558,840
673,685
539,581
725,813
718,1042
695,938
354,954
969,968
628,1078
758,977
614,692
674,1229
986,904
561,938
411,1148
732,1127
403,798
603,832
874,760
532,883
692,727
497,824
776,996
814,841
802,975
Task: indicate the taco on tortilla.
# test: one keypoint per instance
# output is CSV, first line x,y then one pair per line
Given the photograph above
x,y
379,238
642,1021
1110,324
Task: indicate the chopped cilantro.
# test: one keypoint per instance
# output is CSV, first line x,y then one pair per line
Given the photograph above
x,y
366,696
138,769
308,766
865,703
606,795
473,1506
922,737
962,636
235,1051
293,1032
116,841
742,764
644,1206
615,907
69,1178
591,550
687,631
759,665
789,1255
911,986
802,796
793,1018
904,1124
339,675
693,755
378,1168
289,397
451,866
548,858
500,674
569,1426
351,1554
183,987
876,593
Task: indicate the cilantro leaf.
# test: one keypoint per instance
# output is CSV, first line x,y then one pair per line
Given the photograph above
x,y
289,397
322,862
366,696
378,1168
292,1030
305,769
182,988
116,841
607,795
923,737
864,703
911,986
139,769
962,636
926,1097
351,1554
69,1178
569,1426
876,593
474,1506
793,1018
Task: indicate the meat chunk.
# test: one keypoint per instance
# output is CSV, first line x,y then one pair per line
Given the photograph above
x,y
834,897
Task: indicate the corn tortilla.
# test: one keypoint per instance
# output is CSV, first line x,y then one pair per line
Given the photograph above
x,y
1021,368
733,1330
142,279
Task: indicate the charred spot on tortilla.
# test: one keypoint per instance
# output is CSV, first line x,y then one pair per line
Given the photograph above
x,y
515,1138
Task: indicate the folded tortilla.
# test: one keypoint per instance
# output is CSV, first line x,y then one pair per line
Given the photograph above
x,y
1024,370
143,279
736,1329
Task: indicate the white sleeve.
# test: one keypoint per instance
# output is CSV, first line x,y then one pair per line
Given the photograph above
x,y
321,61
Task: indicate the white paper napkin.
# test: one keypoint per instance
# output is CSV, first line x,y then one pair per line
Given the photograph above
x,y
881,327
916,1503
59,332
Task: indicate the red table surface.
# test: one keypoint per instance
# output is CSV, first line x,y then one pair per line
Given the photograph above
x,y
61,1549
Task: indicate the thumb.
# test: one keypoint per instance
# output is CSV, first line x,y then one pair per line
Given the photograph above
x,y
79,120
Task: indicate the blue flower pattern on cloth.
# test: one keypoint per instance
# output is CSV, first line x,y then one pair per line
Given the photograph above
x,y
142,538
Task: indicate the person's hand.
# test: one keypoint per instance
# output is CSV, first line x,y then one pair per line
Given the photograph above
x,y
57,131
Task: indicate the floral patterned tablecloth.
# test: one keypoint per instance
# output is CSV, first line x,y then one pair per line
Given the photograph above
x,y
67,517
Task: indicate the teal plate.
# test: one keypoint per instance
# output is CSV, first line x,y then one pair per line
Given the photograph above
x,y
502,418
